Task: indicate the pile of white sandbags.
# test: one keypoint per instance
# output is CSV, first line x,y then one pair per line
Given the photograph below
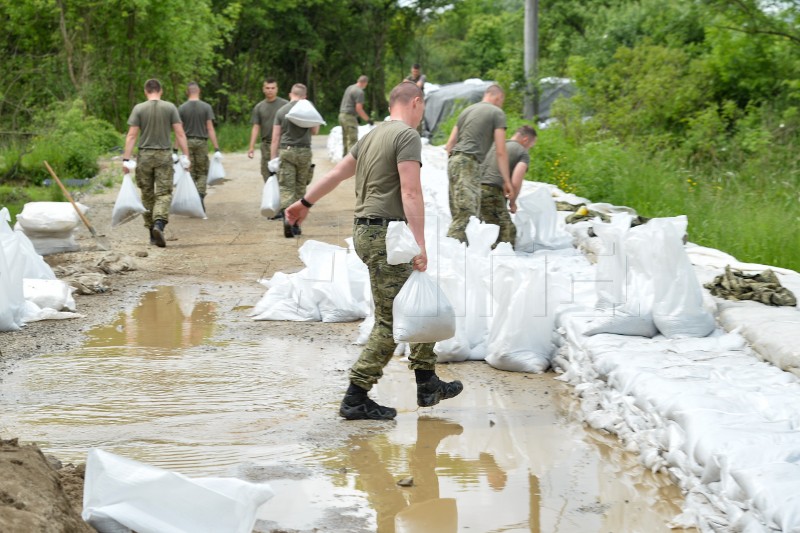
x,y
51,226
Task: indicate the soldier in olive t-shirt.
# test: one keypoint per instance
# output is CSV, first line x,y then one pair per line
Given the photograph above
x,y
386,163
478,126
263,118
351,108
494,208
152,122
198,123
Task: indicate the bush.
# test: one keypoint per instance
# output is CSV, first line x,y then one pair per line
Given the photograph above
x,y
70,141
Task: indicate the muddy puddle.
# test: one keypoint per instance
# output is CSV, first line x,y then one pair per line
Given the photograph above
x,y
158,386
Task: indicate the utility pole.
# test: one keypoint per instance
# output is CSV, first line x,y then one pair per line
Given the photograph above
x,y
531,59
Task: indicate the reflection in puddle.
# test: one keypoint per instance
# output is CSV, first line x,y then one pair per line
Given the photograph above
x,y
502,456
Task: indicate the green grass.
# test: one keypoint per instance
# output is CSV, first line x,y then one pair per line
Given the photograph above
x,y
746,212
15,197
233,137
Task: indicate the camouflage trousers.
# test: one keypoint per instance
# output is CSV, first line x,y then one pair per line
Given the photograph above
x,y
385,282
465,193
154,173
495,211
349,125
294,174
198,157
266,155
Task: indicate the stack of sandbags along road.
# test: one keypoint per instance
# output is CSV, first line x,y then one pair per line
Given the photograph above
x,y
51,226
29,290
622,314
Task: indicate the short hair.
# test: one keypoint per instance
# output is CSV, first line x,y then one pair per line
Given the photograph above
x,y
527,131
363,79
298,89
152,86
193,88
404,92
415,66
494,90
270,80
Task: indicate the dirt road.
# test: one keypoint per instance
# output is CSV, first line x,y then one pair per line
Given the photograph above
x,y
504,455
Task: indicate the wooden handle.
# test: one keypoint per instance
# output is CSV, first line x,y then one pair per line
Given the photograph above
x,y
69,197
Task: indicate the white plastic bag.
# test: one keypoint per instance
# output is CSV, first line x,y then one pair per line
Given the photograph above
x,y
177,170
537,223
270,197
49,293
186,199
401,246
216,172
305,115
49,219
274,165
121,494
128,205
422,312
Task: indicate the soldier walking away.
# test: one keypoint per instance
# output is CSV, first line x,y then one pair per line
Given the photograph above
x,y
386,163
295,171
153,120
495,205
478,126
351,108
418,78
262,119
198,124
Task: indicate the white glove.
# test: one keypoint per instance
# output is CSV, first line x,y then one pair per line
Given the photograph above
x,y
174,158
130,164
184,161
274,164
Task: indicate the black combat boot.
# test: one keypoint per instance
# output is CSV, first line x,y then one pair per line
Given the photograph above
x,y
434,390
158,233
356,405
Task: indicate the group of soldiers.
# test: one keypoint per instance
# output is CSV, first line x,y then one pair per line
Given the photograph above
x,y
485,174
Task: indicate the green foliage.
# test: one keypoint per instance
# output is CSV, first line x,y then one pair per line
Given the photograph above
x,y
15,197
70,141
233,137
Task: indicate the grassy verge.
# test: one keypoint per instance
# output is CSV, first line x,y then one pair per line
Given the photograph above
x,y
750,212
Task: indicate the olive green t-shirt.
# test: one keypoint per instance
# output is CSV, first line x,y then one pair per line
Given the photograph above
x,y
352,95
264,115
476,125
291,133
377,178
154,118
490,172
195,115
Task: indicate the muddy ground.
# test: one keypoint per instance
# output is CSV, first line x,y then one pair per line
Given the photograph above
x,y
225,255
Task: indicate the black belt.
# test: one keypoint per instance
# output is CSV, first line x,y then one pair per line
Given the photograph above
x,y
376,221
193,137
290,147
157,149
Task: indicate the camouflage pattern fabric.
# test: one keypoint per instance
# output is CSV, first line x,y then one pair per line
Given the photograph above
x,y
495,211
465,193
349,125
198,157
266,155
385,281
764,287
154,178
294,174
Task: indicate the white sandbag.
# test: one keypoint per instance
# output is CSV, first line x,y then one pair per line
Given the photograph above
x,y
54,243
128,204
678,309
421,311
480,236
120,494
270,197
47,218
327,277
612,264
177,170
33,265
49,293
401,246
305,115
456,348
216,172
286,299
186,199
274,165
520,339
12,299
537,222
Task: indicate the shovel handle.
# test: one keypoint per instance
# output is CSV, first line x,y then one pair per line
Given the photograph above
x,y
69,197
